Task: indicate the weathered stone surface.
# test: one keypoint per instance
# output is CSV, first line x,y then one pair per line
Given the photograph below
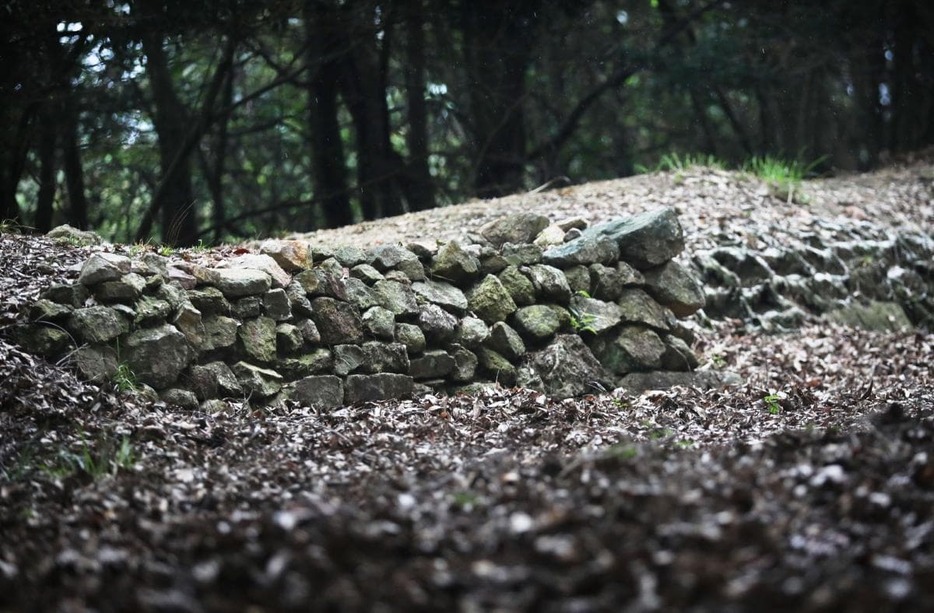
x,y
678,355
261,262
239,282
382,386
506,341
636,306
338,322
350,256
662,380
322,392
522,255
471,332
518,285
49,341
746,266
46,310
96,363
359,294
552,235
498,367
432,365
179,397
879,316
578,277
71,235
585,249
288,339
536,323
102,267
181,278
380,323
317,361
437,324
291,255
309,331
396,257
609,282
443,294
214,380
454,263
594,316
126,289
370,357
348,358
309,281
97,324
276,304
550,283
645,240
220,332
258,338
256,381
635,349
465,364
298,300
69,295
518,228
366,273
151,310
672,285
490,300
396,297
411,336
568,368
209,301
157,355
190,322
247,307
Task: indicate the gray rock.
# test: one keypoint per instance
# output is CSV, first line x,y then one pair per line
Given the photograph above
x,y
366,273
288,339
673,286
181,398
490,300
214,380
454,263
298,300
584,250
67,294
594,316
189,322
432,365
309,331
636,306
151,310
359,294
258,338
247,307
786,262
608,282
180,278
256,381
338,322
748,267
220,332
126,289
348,359
396,297
471,332
662,380
47,341
506,341
389,257
517,228
522,254
102,267
97,363
411,336
276,304
536,323
646,240
518,285
46,310
261,262
382,386
209,301
552,235
550,283
442,294
568,368
321,392
578,277
878,316
437,324
713,273
97,324
239,282
634,349
465,364
350,256
498,367
71,235
678,355
380,323
317,361
157,355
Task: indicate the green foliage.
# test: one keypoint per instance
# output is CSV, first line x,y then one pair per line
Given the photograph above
x,y
783,176
772,403
125,379
108,458
582,322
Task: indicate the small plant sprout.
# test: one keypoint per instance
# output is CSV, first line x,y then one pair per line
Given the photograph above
x,y
125,378
582,322
773,402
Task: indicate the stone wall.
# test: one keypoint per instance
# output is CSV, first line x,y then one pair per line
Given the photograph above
x,y
560,307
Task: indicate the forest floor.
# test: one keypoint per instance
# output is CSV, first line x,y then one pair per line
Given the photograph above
x,y
808,487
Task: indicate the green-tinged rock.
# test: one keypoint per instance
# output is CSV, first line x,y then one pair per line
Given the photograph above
x,y
594,316
437,324
189,322
276,304
498,367
97,324
673,286
634,349
220,332
395,296
877,316
432,365
609,282
678,355
549,282
471,332
465,363
522,254
646,240
411,336
48,341
101,267
96,363
454,263
321,392
239,282
359,294
214,380
380,323
636,306
318,361
567,368
256,381
178,397
382,386
46,310
66,294
247,307
536,323
370,357
583,250
258,338
442,294
578,279
490,300
338,322
70,235
366,273
127,289
289,339
518,285
151,310
157,355
517,228
506,341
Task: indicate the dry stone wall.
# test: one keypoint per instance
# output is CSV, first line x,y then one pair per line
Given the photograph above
x,y
563,308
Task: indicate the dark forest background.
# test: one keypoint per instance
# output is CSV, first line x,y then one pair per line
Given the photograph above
x,y
184,121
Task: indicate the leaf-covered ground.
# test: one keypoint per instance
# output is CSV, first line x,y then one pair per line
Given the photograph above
x,y
809,487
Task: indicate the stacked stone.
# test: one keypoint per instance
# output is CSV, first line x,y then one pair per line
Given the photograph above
x,y
557,307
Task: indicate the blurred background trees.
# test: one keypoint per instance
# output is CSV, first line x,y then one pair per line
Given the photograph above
x,y
183,121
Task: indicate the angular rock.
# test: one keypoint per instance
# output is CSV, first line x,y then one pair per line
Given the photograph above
x,y
262,262
517,228
396,257
96,363
673,286
437,324
568,368
97,324
298,300
454,263
578,277
317,361
338,322
181,278
189,322
309,331
321,392
662,380
256,381
380,323
878,316
396,297
209,301
71,235
522,255
46,310
646,240
220,332
584,250
506,341
536,323
490,300
498,367
258,338
157,355
518,285
471,332
552,235
411,336
214,380
350,256
126,289
247,307
370,357
291,255
636,306
288,339
465,364
678,355
432,364
102,267
442,294
276,304
634,349
594,316
359,294
239,282
366,273
151,310
47,341
66,294
382,386
181,398
747,266
549,282
608,282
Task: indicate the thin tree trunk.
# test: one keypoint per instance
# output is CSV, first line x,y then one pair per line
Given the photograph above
x,y
77,213
421,193
45,199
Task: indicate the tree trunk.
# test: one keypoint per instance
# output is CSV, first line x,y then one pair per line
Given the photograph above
x,y
420,189
45,199
77,213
